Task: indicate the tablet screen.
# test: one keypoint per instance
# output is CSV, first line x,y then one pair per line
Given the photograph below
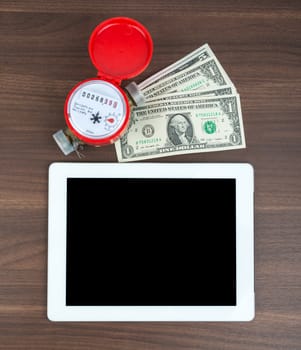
x,y
151,241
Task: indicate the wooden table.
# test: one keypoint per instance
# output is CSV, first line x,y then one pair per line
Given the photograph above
x,y
43,53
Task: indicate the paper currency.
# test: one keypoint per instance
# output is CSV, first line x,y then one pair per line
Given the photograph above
x,y
181,126
198,55
191,106
205,75
227,90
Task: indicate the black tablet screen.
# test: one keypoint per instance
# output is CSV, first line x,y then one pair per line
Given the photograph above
x,y
151,242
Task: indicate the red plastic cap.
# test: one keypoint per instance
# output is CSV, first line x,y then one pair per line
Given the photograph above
x,y
120,48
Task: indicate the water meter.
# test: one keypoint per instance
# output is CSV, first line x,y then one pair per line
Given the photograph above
x,y
97,110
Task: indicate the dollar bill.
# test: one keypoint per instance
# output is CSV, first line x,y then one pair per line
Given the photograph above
x,y
205,75
227,90
166,128
200,54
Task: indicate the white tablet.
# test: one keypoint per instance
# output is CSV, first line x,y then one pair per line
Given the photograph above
x,y
151,242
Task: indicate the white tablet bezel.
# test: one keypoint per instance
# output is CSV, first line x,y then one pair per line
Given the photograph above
x,y
56,307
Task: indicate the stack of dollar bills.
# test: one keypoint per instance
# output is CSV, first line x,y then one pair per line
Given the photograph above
x,y
190,106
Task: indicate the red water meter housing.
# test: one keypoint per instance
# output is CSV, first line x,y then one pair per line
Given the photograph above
x,y
97,110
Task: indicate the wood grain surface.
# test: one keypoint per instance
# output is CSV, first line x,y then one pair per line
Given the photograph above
x,y
43,53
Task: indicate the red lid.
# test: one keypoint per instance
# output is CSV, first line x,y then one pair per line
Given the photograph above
x,y
120,48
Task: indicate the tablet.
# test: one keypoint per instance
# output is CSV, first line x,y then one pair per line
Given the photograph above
x,y
151,242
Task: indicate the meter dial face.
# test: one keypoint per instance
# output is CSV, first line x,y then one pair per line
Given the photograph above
x,y
97,111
